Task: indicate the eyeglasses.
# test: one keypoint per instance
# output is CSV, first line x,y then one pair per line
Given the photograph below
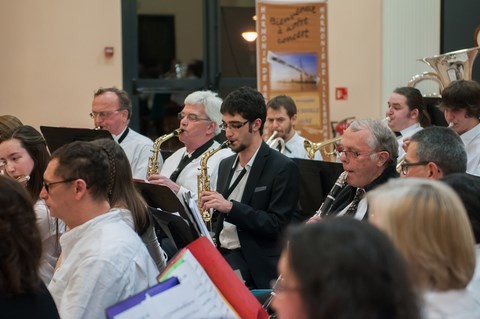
x,y
232,125
350,154
192,117
103,115
47,185
279,286
404,166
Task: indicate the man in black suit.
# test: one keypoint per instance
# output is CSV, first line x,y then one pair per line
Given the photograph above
x,y
257,192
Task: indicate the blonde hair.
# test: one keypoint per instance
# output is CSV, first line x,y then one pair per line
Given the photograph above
x,y
428,224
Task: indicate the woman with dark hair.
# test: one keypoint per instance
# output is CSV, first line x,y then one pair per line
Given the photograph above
x,y
125,196
22,293
342,268
24,152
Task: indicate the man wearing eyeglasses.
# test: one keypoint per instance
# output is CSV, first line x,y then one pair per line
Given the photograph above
x,y
104,260
433,153
368,152
111,111
257,192
199,121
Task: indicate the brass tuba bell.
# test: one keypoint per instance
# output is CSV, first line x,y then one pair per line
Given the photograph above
x,y
451,66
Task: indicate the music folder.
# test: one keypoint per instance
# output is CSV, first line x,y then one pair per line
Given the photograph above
x,y
316,180
55,137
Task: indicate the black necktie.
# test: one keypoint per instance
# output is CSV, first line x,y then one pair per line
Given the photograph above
x,y
354,205
187,159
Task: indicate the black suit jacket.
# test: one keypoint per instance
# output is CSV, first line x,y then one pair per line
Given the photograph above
x,y
347,194
267,206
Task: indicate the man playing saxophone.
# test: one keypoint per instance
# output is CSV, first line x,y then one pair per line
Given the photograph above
x,y
281,118
199,122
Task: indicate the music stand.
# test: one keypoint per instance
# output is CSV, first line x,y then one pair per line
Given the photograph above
x,y
160,196
55,137
316,180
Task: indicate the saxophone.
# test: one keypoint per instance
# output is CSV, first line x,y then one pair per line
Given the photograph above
x,y
153,160
203,180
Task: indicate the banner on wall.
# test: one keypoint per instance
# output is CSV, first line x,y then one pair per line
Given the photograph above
x,y
292,59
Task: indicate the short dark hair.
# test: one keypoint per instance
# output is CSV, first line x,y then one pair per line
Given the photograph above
x,y
462,94
415,101
20,241
349,269
86,161
123,98
443,146
247,102
467,188
284,101
32,141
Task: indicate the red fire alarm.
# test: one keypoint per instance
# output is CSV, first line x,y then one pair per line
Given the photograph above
x,y
108,52
341,94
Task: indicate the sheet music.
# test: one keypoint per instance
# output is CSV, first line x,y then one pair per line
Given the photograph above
x,y
195,213
201,299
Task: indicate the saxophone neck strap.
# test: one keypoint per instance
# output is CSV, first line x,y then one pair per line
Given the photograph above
x,y
187,159
122,137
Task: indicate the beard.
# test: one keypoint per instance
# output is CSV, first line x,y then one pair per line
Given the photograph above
x,y
239,148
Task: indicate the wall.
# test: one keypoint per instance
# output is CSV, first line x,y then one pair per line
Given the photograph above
x,y
52,58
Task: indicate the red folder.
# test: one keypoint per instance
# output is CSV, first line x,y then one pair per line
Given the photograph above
x,y
225,279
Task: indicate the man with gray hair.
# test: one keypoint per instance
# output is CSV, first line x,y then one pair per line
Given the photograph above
x,y
433,153
199,121
368,152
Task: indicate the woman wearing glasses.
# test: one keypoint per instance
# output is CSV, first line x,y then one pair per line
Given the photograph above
x,y
24,152
342,268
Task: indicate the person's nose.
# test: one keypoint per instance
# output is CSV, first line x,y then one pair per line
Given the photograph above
x,y
43,193
449,117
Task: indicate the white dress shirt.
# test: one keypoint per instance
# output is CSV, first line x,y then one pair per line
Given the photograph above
x,y
295,148
229,236
474,285
48,233
103,262
471,139
407,132
138,149
187,179
451,304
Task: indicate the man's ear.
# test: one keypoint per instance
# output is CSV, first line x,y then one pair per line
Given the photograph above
x,y
382,158
256,125
414,114
433,171
293,119
211,128
80,188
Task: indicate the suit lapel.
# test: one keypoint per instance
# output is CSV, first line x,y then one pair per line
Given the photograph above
x,y
256,172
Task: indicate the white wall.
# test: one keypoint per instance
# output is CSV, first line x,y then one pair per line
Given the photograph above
x,y
52,58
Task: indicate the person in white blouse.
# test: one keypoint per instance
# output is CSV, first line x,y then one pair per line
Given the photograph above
x,y
24,153
406,114
429,226
461,107
199,121
103,260
281,118
111,111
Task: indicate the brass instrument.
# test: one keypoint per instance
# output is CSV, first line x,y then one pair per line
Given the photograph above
x,y
451,66
327,148
203,180
275,142
2,167
153,160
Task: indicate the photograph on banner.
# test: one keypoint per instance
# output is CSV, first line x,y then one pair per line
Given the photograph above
x,y
292,59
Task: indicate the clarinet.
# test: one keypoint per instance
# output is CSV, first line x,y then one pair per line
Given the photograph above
x,y
327,203
322,211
